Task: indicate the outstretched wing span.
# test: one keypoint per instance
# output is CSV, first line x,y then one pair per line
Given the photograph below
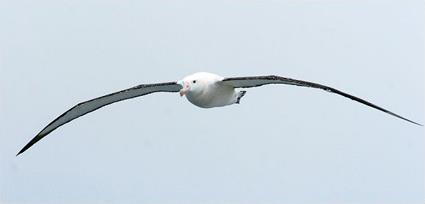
x,y
254,81
94,104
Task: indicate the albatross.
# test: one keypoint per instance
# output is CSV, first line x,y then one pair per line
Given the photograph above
x,y
202,89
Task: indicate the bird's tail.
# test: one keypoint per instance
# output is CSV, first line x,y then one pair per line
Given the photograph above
x,y
240,95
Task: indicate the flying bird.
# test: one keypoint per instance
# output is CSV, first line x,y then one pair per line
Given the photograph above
x,y
202,89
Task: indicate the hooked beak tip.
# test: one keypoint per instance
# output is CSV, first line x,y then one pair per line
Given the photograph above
x,y
183,92
184,89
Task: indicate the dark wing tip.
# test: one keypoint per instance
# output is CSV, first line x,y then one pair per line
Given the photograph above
x,y
415,123
403,118
20,152
30,143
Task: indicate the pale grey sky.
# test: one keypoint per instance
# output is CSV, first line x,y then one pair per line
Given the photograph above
x,y
282,144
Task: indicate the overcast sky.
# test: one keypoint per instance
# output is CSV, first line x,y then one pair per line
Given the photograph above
x,y
282,144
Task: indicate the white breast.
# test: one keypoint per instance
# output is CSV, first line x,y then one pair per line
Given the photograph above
x,y
214,96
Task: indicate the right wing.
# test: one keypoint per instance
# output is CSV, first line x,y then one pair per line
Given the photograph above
x,y
94,104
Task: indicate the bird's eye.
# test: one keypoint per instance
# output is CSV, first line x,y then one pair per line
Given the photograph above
x,y
194,81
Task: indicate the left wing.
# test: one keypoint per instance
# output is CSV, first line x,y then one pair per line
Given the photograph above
x,y
254,81
94,104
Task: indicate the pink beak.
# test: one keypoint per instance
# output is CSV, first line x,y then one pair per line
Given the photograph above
x,y
185,88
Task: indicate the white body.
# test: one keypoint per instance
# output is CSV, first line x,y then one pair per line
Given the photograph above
x,y
207,91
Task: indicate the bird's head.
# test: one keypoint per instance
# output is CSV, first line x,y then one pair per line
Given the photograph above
x,y
195,84
190,85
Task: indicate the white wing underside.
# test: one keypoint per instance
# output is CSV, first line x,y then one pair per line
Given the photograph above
x,y
94,104
254,81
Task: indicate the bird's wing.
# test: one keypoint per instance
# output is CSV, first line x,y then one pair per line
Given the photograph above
x,y
94,104
254,81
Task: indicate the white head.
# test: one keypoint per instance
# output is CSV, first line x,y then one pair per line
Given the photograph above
x,y
196,83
